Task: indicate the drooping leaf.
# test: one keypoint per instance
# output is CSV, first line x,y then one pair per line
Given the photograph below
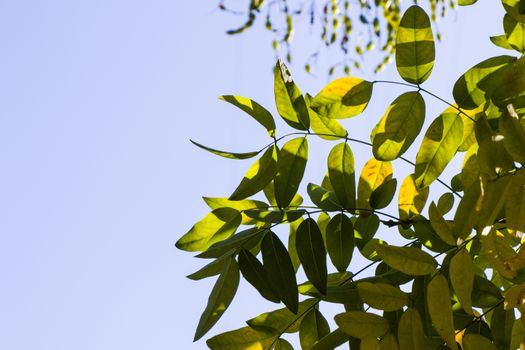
x,y
215,203
220,298
288,98
258,176
399,126
514,32
462,278
246,239
441,141
415,52
411,199
477,342
410,260
216,226
323,198
340,241
383,195
274,216
360,324
441,226
326,127
493,158
282,320
312,253
242,339
313,327
343,98
382,296
225,154
255,110
440,309
278,265
373,175
252,270
292,162
342,174
410,331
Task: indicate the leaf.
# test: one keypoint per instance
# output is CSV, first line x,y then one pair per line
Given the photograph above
x,y
255,110
467,212
410,331
399,126
313,327
501,41
514,8
485,294
215,203
258,176
212,269
333,280
282,344
388,342
323,198
242,339
466,2
373,175
312,253
220,298
288,99
292,251
514,135
477,342
253,272
462,278
282,320
383,195
440,309
501,324
410,260
324,127
499,254
441,226
365,227
382,296
278,265
247,239
292,162
445,202
274,216
370,343
360,324
340,241
515,32
216,226
415,51
342,174
225,154
331,341
411,199
440,144
515,202
343,98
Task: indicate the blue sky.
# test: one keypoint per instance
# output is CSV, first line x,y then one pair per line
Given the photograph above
x,y
97,102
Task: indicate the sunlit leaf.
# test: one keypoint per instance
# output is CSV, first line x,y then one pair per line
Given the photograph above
x,y
425,232
282,320
410,331
312,253
410,260
215,203
323,198
242,339
382,296
399,126
411,199
373,175
274,216
258,176
252,270
313,327
494,196
383,195
292,162
342,174
343,98
292,251
225,154
326,127
501,41
462,278
515,32
415,51
255,110
440,309
340,241
514,8
498,252
216,226
466,2
361,324
477,342
247,239
220,298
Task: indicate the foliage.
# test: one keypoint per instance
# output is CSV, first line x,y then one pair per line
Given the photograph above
x,y
459,281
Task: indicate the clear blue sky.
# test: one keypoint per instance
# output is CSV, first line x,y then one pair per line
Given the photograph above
x,y
97,101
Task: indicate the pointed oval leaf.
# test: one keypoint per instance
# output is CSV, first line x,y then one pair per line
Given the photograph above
x,y
325,128
246,239
514,32
409,260
441,226
445,202
340,241
216,226
331,341
343,98
501,41
220,298
212,269
313,327
477,342
415,52
399,126
383,195
312,253
274,216
225,154
501,324
373,175
382,296
441,141
342,174
242,339
258,176
215,203
410,331
282,320
462,278
323,198
411,199
292,251
282,344
255,110
365,228
288,99
466,2
360,324
467,212
440,309
292,162
278,265
253,272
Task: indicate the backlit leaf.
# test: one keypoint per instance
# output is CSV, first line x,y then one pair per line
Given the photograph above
x,y
515,32
515,202
212,269
342,174
373,175
365,227
292,251
252,270
383,195
282,344
382,296
325,127
445,202
312,253
411,199
477,342
247,239
292,162
501,324
282,320
501,41
440,225
362,324
466,2
274,216
410,260
313,327
462,278
485,294
410,331
255,110
331,340
225,154
323,198
242,339
340,241
215,203
467,212
440,309
513,133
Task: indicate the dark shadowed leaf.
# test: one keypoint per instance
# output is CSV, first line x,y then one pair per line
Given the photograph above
x,y
410,260
274,216
312,253
514,32
410,331
365,227
292,162
501,324
252,270
462,278
340,241
373,175
254,109
342,174
212,269
282,344
445,202
513,133
477,342
440,309
331,341
323,198
383,195
215,203
441,226
515,203
225,154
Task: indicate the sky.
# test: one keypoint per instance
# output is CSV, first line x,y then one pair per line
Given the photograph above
x,y
97,102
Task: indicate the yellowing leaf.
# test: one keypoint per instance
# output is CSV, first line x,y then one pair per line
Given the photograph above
x,y
440,309
245,338
382,296
325,127
410,331
373,175
361,324
255,110
342,174
292,162
462,278
410,260
312,253
411,199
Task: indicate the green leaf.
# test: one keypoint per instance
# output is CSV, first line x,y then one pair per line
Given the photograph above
x,y
466,2
255,110
342,175
501,41
445,202
515,32
216,226
513,133
388,342
340,241
467,212
220,298
410,331
215,203
360,324
225,154
331,341
282,344
441,141
242,339
343,98
313,327
292,251
247,239
485,294
440,309
399,126
477,342
325,127
288,99
382,296
515,202
441,226
411,199
253,272
346,294
323,198
462,278
370,343
415,52
365,227
282,320
258,176
514,8
383,195
292,162
212,269
501,324
275,216
410,260
374,174
278,265
312,253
